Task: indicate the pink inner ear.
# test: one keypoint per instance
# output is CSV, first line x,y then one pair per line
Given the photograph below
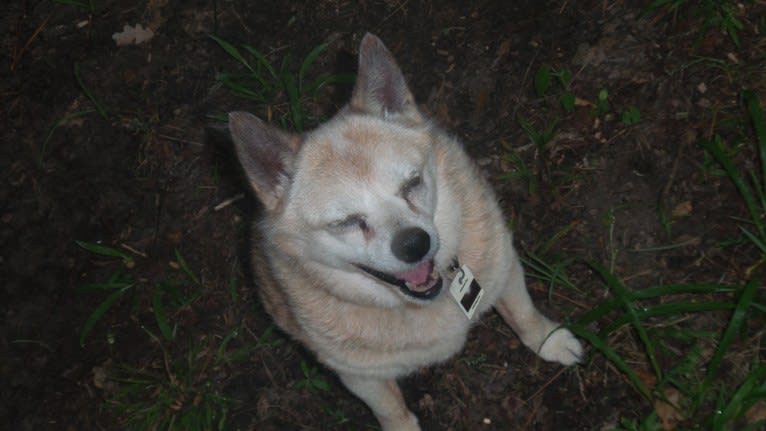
x,y
380,86
385,93
265,153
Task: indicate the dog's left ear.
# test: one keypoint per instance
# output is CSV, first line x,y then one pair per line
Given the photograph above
x,y
380,86
267,155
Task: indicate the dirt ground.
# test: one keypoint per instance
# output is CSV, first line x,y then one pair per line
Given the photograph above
x,y
121,146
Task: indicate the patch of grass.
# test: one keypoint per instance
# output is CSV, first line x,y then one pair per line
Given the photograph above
x,y
750,183
520,170
602,103
558,81
98,107
696,376
539,138
721,14
279,90
176,389
312,379
684,386
176,394
551,273
338,416
473,361
631,116
162,294
543,265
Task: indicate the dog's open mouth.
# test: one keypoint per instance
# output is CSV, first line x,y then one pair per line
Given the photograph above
x,y
421,282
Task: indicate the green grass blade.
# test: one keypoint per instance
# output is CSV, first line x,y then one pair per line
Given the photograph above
x,y
755,240
622,295
308,61
760,191
665,310
102,250
185,267
553,274
759,124
99,107
243,85
715,148
109,285
99,312
262,61
534,137
561,233
233,293
600,344
232,51
736,322
652,292
56,125
221,351
116,281
159,312
326,79
294,101
743,398
542,80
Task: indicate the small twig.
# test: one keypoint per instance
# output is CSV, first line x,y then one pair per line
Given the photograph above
x,y
17,56
542,388
133,250
399,7
228,202
570,300
185,141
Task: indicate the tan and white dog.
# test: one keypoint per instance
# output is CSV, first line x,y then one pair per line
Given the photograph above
x,y
381,243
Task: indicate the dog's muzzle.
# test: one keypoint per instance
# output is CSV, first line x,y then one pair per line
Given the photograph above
x,y
422,282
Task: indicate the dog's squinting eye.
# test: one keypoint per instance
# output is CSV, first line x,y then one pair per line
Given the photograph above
x,y
349,222
411,185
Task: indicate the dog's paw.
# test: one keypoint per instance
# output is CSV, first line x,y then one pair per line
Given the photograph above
x,y
562,346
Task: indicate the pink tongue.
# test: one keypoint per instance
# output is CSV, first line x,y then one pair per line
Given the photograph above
x,y
419,275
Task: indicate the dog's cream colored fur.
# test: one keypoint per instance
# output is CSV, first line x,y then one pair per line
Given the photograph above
x,y
334,200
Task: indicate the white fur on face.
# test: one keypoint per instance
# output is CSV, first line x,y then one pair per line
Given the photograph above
x,y
356,171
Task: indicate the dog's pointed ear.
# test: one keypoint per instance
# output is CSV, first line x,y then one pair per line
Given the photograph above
x,y
380,86
266,154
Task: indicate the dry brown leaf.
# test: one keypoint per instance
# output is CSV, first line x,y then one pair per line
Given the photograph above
x,y
503,49
683,209
132,35
647,378
666,411
583,102
101,377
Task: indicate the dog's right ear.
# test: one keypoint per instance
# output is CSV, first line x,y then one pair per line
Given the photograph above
x,y
380,87
266,154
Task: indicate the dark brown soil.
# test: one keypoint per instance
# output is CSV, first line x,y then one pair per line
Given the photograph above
x,y
147,174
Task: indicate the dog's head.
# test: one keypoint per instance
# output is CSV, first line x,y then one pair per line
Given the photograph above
x,y
358,194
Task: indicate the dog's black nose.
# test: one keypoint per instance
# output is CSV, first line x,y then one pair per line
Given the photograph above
x,y
411,244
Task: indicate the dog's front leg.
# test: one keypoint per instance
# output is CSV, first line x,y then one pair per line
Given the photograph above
x,y
385,399
536,331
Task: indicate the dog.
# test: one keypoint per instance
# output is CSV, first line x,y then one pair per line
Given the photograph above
x,y
380,243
